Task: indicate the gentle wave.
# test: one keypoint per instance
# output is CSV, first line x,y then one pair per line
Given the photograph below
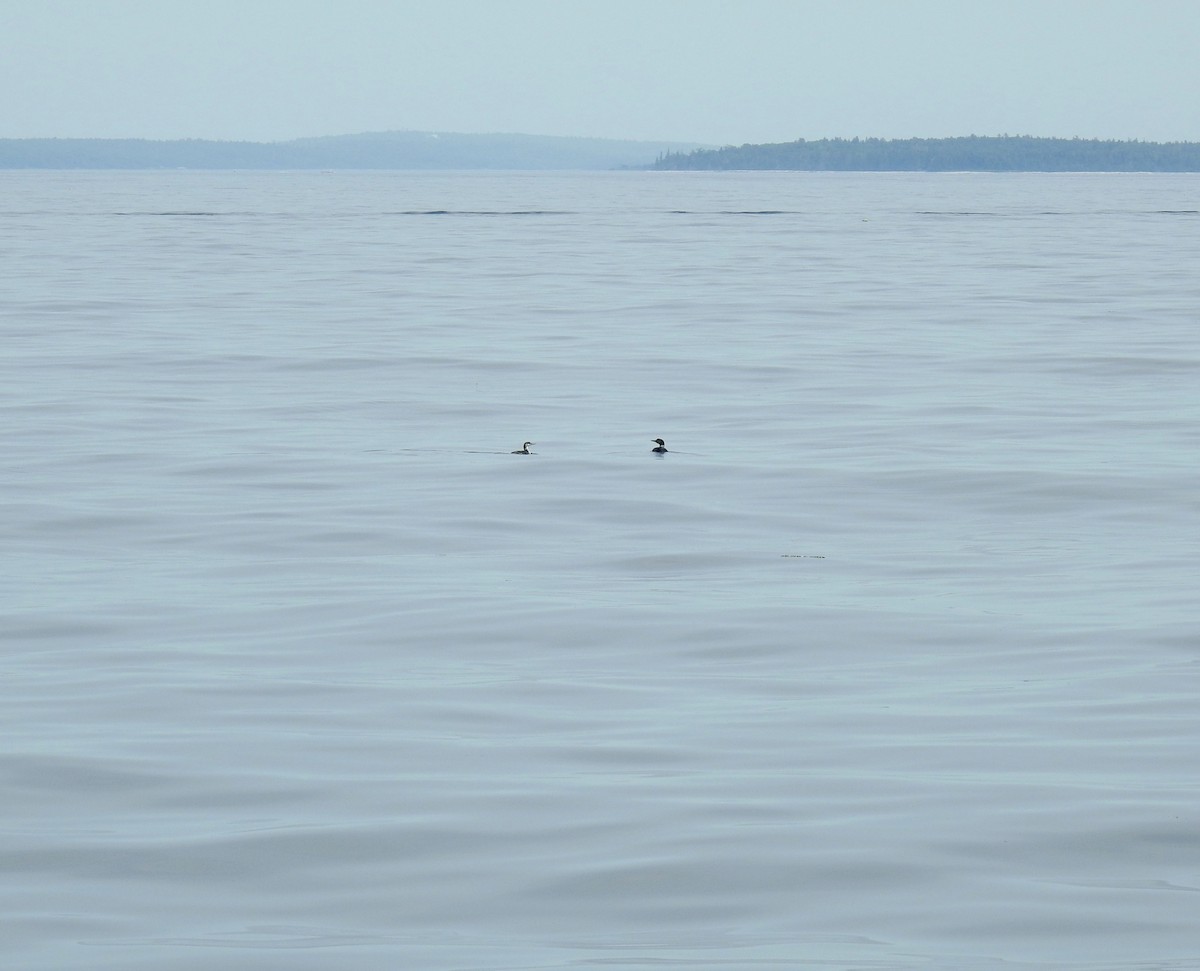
x,y
887,663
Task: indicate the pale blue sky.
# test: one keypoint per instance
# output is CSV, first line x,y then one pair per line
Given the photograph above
x,y
714,71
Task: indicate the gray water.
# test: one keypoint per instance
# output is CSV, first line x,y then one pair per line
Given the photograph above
x,y
890,662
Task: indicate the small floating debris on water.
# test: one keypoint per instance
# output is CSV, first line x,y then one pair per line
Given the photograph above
x,y
802,556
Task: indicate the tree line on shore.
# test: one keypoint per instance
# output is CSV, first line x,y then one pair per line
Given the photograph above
x,y
1000,153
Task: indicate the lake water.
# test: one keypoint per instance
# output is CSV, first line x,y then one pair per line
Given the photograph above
x,y
891,662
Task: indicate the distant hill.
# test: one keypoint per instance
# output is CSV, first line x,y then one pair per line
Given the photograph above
x,y
373,150
972,153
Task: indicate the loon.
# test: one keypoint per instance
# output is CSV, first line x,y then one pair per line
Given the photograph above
x,y
662,446
524,449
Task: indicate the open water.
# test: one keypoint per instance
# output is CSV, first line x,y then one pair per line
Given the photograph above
x,y
891,662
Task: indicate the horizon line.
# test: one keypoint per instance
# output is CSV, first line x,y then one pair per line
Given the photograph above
x,y
590,138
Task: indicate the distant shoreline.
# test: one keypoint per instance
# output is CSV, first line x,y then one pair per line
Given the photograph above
x,y
972,153
413,151
398,150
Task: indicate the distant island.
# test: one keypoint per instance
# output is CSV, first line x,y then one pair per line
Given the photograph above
x,y
452,150
972,153
371,150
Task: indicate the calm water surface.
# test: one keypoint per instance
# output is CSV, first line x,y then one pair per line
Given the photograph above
x,y
891,662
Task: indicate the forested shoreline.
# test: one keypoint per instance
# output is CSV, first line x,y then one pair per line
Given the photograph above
x,y
444,150
1001,153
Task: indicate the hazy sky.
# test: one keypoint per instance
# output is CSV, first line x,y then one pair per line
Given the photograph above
x,y
713,71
